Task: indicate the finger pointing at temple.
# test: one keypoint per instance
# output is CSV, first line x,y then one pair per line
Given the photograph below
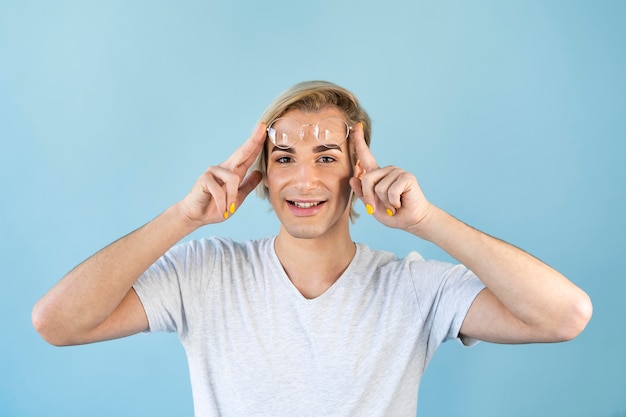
x,y
362,150
361,184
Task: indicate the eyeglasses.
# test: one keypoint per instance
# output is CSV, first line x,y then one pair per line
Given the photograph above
x,y
331,132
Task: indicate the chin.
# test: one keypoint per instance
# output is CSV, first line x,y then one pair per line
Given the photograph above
x,y
303,233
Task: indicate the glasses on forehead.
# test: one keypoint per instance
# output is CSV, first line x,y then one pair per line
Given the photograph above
x,y
331,132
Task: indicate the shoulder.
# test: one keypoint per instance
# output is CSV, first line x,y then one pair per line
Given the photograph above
x,y
384,268
224,245
426,275
203,255
376,258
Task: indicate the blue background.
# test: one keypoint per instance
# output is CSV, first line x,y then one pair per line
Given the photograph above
x,y
511,115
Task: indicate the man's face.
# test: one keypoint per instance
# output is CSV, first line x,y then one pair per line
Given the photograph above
x,y
308,182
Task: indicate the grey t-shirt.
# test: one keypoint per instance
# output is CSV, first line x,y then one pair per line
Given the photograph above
x,y
257,347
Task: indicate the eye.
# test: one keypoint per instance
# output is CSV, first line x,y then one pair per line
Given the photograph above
x,y
284,159
326,159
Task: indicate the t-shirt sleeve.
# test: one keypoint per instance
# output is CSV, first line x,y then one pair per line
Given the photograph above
x,y
445,292
165,288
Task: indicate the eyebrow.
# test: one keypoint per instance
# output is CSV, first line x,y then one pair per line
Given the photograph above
x,y
317,149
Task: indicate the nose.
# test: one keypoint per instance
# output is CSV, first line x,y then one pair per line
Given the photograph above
x,y
306,177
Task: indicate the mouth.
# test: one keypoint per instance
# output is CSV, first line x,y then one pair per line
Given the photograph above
x,y
304,204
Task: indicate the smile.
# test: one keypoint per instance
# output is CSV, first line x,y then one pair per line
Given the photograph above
x,y
305,205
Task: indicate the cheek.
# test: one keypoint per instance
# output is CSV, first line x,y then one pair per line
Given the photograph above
x,y
347,190
343,187
272,179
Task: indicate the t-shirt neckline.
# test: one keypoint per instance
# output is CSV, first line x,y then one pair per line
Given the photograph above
x,y
340,282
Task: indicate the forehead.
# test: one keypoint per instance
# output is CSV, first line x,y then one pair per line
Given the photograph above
x,y
312,117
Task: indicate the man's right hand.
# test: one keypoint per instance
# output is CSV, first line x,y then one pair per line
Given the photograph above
x,y
95,301
221,189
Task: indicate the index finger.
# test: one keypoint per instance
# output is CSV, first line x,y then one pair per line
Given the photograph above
x,y
362,150
247,153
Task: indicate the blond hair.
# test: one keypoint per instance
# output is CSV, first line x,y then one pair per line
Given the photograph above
x,y
314,96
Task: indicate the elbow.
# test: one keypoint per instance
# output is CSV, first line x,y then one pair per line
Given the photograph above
x,y
576,317
47,327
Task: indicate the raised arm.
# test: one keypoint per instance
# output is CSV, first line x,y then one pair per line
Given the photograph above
x,y
95,301
525,299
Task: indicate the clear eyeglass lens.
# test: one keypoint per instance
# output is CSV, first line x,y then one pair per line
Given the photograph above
x,y
284,133
330,132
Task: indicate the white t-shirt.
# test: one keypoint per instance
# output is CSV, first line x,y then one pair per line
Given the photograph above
x,y
257,347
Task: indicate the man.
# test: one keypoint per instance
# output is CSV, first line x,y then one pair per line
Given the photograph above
x,y
308,323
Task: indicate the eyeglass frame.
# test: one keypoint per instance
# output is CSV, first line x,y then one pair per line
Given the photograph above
x,y
315,132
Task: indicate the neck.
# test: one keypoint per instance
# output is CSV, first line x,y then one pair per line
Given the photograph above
x,y
314,265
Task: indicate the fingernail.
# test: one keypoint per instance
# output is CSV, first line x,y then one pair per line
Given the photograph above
x,y
389,212
369,209
225,214
232,208
362,128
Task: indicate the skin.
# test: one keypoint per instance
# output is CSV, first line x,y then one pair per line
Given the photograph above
x,y
313,244
525,300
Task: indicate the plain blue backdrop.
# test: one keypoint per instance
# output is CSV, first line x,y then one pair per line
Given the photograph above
x,y
511,115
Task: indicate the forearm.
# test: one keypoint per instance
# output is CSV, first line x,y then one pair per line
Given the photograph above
x,y
90,293
95,302
525,299
532,291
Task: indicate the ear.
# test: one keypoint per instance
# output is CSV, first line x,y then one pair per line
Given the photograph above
x,y
359,169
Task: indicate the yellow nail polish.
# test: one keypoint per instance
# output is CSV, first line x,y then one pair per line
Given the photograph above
x,y
369,209
225,214
389,212
232,208
362,127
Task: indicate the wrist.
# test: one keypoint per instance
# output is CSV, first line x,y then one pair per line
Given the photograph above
x,y
178,220
429,224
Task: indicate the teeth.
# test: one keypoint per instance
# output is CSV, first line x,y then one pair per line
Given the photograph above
x,y
304,205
